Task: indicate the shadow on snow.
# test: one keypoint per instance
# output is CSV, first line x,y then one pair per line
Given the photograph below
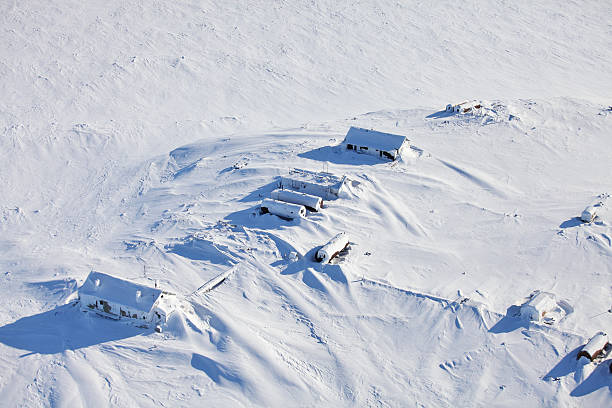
x,y
215,371
572,222
338,155
510,322
64,328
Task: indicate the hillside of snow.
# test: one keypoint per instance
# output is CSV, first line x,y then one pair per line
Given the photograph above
x,y
139,138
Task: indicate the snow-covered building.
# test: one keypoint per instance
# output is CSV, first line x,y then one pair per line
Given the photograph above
x,y
330,250
589,214
376,143
538,306
594,347
313,203
321,184
121,299
282,209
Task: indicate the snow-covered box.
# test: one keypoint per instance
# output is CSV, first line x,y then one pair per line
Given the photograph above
x,y
376,143
321,184
117,298
538,306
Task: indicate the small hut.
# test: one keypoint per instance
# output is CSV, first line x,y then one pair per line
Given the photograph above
x,y
282,209
117,298
330,250
313,203
538,306
321,184
385,145
594,347
589,214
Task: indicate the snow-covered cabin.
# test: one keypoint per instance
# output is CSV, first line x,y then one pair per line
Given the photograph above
x,y
321,184
376,143
538,306
330,250
594,347
589,214
121,299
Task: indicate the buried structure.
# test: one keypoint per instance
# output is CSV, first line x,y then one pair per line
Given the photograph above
x,y
322,184
596,346
540,304
589,214
375,143
313,203
330,250
282,209
117,298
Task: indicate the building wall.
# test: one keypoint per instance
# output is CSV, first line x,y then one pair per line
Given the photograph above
x,y
92,303
325,192
391,155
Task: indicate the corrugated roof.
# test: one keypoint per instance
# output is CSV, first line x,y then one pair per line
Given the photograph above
x,y
374,139
120,291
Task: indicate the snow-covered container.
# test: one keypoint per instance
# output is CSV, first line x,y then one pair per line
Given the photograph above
x,y
322,184
594,347
373,142
589,214
282,209
332,248
313,203
538,306
118,298
449,107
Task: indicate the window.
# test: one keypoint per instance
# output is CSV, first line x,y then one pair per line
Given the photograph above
x,y
363,148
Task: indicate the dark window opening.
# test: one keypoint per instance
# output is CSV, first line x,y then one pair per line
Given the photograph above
x,y
349,146
363,148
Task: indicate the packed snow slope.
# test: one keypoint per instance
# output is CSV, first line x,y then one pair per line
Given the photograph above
x,y
137,138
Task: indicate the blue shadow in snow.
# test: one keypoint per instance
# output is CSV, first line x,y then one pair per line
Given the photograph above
x,y
215,371
440,115
252,218
64,328
599,378
339,155
199,250
566,366
572,222
261,193
307,263
510,322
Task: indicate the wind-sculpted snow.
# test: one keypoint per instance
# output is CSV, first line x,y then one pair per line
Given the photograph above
x,y
138,139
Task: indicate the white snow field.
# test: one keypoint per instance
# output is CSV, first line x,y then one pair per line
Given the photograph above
x,y
138,139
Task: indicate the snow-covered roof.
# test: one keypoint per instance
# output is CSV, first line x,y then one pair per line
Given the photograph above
x,y
372,138
116,290
322,178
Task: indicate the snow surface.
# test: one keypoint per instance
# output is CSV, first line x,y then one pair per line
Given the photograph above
x,y
140,137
